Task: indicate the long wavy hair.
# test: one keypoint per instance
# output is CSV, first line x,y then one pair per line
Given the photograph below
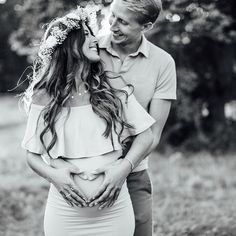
x,y
57,79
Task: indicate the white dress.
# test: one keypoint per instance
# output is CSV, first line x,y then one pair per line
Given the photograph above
x,y
80,139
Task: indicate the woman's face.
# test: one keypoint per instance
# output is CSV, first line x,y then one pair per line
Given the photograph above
x,y
90,46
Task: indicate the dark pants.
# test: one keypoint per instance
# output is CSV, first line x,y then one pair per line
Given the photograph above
x,y
140,190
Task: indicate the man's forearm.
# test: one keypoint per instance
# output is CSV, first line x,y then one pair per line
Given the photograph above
x,y
159,110
156,140
139,148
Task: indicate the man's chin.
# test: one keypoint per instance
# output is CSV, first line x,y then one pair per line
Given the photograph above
x,y
117,40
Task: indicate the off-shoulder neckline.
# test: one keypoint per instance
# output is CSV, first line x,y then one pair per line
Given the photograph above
x,y
77,107
73,107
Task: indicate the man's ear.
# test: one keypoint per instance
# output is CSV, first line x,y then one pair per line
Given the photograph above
x,y
147,26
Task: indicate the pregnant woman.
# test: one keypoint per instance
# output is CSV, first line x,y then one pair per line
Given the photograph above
x,y
79,116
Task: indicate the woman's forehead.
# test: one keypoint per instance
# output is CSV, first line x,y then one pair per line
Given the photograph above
x,y
87,29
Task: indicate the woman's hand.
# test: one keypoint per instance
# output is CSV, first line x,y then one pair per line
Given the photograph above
x,y
61,175
117,172
115,176
63,180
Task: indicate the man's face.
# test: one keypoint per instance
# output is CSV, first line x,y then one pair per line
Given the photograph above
x,y
124,27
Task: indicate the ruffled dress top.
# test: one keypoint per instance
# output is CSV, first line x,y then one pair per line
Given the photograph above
x,y
80,132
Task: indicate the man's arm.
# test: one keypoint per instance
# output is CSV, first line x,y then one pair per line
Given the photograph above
x,y
117,172
159,110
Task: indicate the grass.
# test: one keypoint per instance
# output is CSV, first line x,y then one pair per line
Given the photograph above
x,y
193,195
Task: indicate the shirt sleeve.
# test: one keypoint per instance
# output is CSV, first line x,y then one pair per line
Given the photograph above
x,y
166,83
135,115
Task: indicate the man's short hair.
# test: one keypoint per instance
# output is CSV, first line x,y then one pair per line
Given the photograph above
x,y
145,10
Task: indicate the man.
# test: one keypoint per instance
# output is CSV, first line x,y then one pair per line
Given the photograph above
x,y
151,71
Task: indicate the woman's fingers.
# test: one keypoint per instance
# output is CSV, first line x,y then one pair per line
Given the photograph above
x,y
104,205
65,195
77,199
74,170
104,197
110,200
72,198
115,197
78,192
100,192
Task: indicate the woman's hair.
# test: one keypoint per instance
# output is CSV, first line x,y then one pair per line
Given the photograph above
x,y
58,79
145,10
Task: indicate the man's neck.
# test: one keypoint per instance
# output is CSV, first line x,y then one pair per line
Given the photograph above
x,y
125,50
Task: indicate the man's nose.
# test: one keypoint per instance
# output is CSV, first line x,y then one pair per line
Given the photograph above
x,y
113,24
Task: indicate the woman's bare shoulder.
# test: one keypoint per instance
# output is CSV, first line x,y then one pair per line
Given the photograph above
x,y
40,97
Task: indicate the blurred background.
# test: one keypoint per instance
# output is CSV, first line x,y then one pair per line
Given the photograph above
x,y
194,168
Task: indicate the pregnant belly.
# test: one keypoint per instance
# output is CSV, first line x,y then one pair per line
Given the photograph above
x,y
89,187
87,182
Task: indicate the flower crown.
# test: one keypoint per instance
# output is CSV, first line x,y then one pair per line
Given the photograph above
x,y
58,35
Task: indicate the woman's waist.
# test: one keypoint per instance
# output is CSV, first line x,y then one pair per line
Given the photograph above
x,y
89,164
88,189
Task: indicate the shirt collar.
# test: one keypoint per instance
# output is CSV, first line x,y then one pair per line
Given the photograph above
x,y
105,43
143,48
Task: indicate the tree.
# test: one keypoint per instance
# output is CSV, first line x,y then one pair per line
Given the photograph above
x,y
201,35
11,64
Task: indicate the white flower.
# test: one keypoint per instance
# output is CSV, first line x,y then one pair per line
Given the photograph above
x,y
73,15
51,41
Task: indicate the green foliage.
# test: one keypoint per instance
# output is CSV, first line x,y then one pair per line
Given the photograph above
x,y
11,64
26,39
201,37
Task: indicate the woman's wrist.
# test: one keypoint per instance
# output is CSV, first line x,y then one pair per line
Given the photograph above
x,y
51,174
127,165
130,162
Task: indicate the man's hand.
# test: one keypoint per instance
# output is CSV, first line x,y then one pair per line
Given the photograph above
x,y
115,176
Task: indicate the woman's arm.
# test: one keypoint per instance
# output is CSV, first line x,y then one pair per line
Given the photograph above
x,y
116,173
61,177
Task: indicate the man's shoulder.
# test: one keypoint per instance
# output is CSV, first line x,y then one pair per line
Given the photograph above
x,y
158,53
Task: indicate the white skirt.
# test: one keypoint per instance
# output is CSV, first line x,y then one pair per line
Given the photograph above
x,y
63,220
